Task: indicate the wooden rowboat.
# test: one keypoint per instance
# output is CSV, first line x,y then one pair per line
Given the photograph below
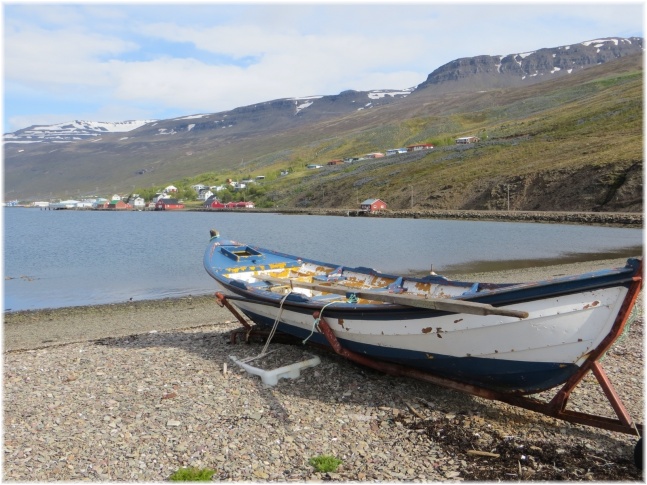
x,y
510,338
497,341
502,342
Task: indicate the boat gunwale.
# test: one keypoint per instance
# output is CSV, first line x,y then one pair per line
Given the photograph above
x,y
495,294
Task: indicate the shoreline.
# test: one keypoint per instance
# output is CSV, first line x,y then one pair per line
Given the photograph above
x,y
610,219
40,328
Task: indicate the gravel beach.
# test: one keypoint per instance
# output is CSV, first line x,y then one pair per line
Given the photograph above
x,y
134,391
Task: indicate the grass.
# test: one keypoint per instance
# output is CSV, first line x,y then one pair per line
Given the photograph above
x,y
191,474
325,463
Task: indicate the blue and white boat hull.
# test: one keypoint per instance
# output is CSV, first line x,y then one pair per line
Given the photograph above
x,y
567,318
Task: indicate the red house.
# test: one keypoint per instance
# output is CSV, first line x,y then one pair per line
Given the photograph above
x,y
216,204
168,205
239,205
119,205
373,205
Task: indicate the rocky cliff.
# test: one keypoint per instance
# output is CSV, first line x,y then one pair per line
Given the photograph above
x,y
512,70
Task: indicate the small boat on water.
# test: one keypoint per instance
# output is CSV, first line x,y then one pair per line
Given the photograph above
x,y
510,338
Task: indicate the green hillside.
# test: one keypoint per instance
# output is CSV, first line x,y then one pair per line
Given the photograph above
x,y
574,144
571,143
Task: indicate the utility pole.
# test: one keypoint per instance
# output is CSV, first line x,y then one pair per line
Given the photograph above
x,y
508,186
411,196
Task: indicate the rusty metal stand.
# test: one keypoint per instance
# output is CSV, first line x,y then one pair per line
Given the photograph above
x,y
555,408
249,331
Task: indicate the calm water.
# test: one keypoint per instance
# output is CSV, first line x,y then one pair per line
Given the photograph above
x,y
68,258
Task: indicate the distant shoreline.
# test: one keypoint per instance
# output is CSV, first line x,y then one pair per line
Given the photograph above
x,y
611,219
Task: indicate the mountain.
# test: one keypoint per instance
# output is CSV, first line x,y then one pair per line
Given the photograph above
x,y
71,131
523,69
503,99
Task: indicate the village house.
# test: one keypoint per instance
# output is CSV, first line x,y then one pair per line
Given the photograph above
x,y
213,203
136,202
139,203
204,194
118,204
464,140
168,204
374,155
64,204
85,204
373,205
158,196
420,146
199,187
395,151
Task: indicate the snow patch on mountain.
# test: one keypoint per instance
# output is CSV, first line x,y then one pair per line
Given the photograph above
x,y
72,131
389,92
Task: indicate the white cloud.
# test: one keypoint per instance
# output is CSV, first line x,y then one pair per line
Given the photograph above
x,y
153,59
48,58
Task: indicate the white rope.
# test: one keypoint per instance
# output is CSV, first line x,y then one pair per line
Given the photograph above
x,y
276,323
316,320
272,332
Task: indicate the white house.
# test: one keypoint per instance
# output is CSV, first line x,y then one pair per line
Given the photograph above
x,y
204,194
139,203
464,140
170,188
198,188
395,151
64,204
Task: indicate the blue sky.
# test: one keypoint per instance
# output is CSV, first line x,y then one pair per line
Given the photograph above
x,y
117,62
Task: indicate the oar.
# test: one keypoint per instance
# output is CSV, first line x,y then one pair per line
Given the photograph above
x,y
441,304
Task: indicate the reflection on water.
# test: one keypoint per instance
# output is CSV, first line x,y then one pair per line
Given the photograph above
x,y
485,266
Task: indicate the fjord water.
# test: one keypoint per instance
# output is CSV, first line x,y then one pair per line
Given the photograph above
x,y
67,258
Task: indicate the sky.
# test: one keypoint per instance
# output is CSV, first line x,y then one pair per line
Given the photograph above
x,y
118,61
